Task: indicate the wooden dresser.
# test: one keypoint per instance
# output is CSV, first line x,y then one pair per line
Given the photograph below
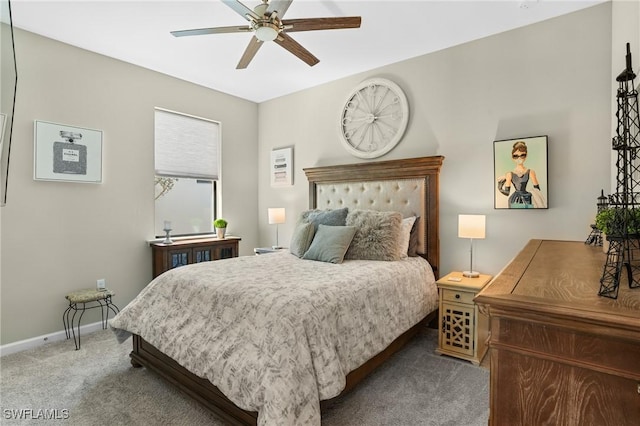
x,y
192,250
561,354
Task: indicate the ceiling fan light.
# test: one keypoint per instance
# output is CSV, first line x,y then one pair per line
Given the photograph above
x,y
266,33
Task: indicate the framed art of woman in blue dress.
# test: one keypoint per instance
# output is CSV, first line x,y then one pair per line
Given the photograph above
x,y
523,185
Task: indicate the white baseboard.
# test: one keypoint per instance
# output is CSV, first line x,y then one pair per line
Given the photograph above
x,y
34,342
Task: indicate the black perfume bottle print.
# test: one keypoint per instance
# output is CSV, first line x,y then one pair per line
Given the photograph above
x,y
70,157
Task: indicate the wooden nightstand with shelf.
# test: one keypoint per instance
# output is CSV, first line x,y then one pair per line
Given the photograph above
x,y
191,250
462,330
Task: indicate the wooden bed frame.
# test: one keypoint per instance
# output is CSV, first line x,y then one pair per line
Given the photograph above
x,y
424,168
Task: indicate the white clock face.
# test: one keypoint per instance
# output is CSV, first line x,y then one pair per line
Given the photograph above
x,y
374,118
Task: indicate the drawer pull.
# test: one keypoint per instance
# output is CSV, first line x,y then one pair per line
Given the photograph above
x,y
457,296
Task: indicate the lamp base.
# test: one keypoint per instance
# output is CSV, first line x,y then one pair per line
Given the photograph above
x,y
471,274
167,238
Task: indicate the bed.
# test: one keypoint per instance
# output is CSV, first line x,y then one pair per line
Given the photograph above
x,y
355,315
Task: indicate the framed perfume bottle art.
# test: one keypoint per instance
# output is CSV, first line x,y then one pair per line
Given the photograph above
x,y
67,153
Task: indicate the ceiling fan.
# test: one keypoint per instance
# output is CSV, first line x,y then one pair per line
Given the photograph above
x,y
266,24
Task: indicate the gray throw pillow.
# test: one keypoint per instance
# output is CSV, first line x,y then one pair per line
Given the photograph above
x,y
301,239
329,217
330,243
378,235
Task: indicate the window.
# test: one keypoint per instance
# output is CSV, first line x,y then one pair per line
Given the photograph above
x,y
186,172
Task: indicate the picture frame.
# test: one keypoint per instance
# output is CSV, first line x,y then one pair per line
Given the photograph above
x,y
3,125
281,167
67,153
520,173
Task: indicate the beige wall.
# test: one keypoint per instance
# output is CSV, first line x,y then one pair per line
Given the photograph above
x,y
625,29
57,237
551,78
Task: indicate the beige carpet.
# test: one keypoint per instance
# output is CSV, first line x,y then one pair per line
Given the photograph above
x,y
97,386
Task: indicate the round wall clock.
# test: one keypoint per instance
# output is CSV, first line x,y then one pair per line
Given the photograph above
x,y
374,118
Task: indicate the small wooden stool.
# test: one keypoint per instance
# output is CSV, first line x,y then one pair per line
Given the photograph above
x,y
102,298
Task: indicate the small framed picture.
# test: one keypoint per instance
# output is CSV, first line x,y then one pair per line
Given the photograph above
x,y
3,124
67,153
281,167
520,170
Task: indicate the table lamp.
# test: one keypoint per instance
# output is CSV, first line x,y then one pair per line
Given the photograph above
x,y
471,226
276,216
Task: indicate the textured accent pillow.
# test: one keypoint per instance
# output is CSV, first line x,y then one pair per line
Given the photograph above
x,y
405,236
301,239
329,217
330,243
413,238
377,235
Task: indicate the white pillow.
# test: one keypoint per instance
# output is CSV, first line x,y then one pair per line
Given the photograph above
x,y
405,235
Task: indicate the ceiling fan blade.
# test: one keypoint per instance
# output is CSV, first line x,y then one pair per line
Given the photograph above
x,y
279,6
249,53
241,9
294,47
312,24
216,30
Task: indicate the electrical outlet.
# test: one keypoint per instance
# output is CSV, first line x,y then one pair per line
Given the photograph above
x,y
101,284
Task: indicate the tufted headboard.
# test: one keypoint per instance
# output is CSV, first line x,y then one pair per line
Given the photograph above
x,y
410,186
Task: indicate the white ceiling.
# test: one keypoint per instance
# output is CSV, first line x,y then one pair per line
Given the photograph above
x,y
391,31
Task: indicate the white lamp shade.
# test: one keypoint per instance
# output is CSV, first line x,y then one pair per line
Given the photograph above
x,y
276,215
471,226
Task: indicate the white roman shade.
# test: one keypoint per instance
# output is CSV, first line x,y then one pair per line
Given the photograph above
x,y
186,146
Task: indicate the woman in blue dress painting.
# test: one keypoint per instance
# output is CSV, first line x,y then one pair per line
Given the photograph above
x,y
518,179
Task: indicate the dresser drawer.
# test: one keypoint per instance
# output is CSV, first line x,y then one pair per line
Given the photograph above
x,y
457,296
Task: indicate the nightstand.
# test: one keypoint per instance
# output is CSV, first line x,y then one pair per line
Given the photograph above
x,y
463,331
191,250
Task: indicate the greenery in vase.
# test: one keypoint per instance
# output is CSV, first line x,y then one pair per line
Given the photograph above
x,y
220,223
606,221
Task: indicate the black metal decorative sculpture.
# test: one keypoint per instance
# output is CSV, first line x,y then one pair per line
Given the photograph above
x,y
595,236
624,229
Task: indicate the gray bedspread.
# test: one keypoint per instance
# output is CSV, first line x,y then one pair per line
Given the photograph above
x,y
275,333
